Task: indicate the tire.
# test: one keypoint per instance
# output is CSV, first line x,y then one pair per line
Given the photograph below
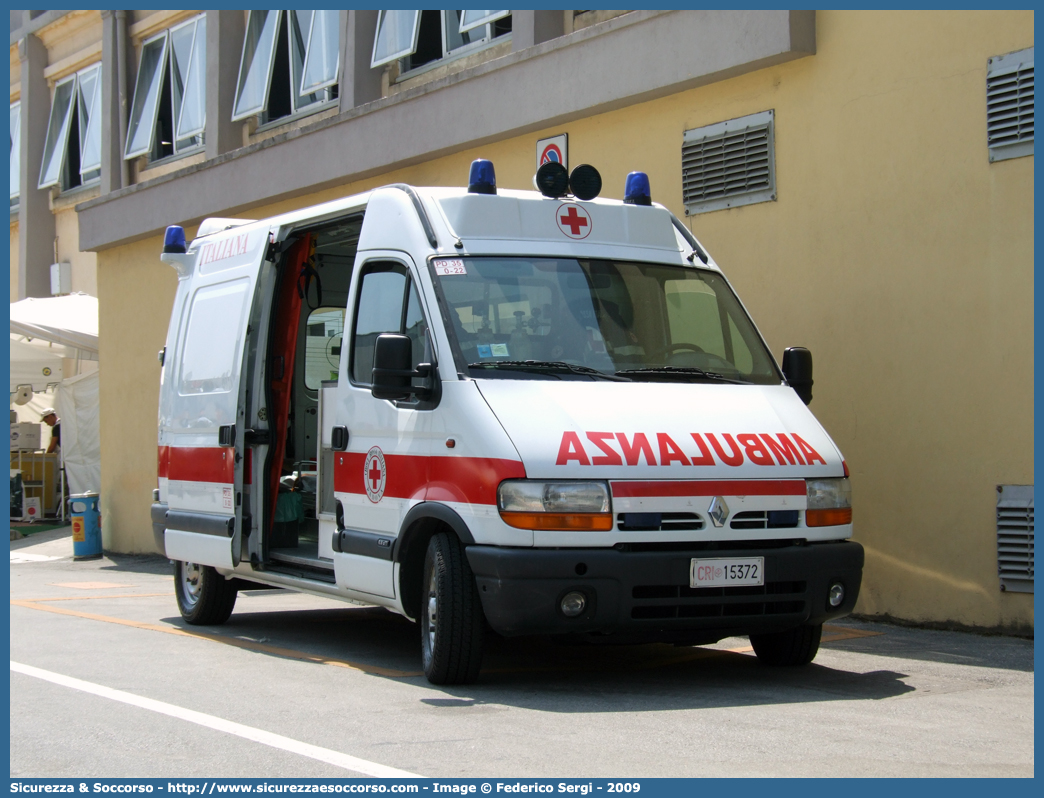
x,y
205,597
788,649
451,618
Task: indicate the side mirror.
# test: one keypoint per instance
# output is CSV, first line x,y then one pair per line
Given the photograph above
x,y
797,368
393,371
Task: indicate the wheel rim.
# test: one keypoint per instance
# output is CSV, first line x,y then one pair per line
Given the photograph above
x,y
433,610
191,583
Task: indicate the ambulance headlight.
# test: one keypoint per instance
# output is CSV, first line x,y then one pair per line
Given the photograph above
x,y
829,502
531,504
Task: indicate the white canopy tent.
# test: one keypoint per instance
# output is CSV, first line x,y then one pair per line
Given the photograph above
x,y
45,333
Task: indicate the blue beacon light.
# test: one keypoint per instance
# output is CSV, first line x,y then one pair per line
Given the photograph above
x,y
636,189
483,180
174,239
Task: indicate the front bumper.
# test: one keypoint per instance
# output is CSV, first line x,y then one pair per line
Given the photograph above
x,y
645,595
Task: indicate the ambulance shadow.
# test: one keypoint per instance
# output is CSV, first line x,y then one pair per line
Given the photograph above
x,y
537,675
369,638
137,564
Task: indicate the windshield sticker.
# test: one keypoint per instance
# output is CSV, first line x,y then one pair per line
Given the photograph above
x,y
758,448
492,350
444,268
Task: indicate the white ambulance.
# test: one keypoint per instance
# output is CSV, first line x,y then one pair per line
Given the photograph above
x,y
526,412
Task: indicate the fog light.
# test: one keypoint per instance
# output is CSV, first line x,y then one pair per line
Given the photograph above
x,y
836,594
573,604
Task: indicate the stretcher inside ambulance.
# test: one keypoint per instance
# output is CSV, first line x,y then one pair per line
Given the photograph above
x,y
499,412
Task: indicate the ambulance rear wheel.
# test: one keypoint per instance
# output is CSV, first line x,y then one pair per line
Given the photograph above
x,y
786,649
205,597
451,619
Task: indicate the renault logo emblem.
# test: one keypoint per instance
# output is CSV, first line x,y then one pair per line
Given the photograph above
x,y
718,511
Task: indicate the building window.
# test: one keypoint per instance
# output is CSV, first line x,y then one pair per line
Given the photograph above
x,y
1009,105
729,164
74,118
422,37
290,63
168,113
16,150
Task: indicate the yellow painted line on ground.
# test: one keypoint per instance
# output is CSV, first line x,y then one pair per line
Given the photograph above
x,y
831,634
90,598
250,645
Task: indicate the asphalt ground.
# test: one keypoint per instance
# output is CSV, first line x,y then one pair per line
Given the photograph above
x,y
107,681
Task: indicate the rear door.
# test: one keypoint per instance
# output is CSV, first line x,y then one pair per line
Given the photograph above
x,y
204,430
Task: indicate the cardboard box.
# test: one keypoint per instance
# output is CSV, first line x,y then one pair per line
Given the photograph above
x,y
25,436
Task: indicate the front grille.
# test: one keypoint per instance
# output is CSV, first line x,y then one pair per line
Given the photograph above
x,y
766,519
656,522
709,545
659,602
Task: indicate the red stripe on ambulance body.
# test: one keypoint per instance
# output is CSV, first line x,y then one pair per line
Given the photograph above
x,y
200,464
709,487
470,480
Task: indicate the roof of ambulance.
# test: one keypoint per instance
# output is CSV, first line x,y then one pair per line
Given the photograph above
x,y
514,215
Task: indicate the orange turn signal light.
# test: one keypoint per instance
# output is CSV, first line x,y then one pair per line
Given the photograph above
x,y
597,522
835,516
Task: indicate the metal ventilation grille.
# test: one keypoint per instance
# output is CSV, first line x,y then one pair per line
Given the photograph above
x,y
1009,105
729,164
1015,538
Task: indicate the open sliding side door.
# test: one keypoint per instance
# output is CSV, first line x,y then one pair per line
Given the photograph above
x,y
203,423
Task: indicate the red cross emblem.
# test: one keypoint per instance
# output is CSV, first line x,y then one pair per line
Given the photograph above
x,y
375,474
573,220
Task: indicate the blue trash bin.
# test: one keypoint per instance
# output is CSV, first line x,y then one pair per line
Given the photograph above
x,y
86,526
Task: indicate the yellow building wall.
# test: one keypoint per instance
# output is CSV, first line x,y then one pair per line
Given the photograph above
x,y
135,295
896,252
84,264
14,261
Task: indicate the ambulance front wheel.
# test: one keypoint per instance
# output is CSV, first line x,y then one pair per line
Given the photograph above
x,y
204,596
794,647
451,620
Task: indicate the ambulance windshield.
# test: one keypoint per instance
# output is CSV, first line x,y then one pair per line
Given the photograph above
x,y
583,319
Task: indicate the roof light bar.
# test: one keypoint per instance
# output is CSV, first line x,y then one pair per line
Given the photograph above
x,y
483,180
636,189
174,239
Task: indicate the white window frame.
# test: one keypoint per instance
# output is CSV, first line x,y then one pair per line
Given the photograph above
x,y
299,91
155,89
56,145
388,57
197,61
448,52
484,18
16,149
93,121
330,21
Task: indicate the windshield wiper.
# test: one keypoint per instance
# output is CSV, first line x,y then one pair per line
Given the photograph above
x,y
682,371
550,366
